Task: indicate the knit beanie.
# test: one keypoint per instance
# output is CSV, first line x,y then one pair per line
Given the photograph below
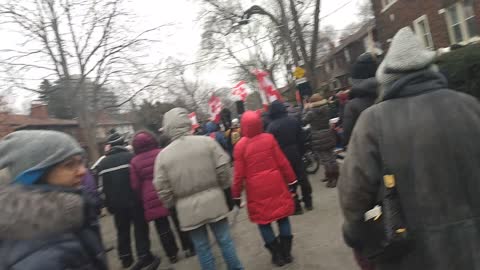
x,y
365,67
28,154
316,98
115,139
406,55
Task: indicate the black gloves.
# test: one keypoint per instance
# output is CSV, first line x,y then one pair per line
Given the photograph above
x,y
228,198
237,202
293,187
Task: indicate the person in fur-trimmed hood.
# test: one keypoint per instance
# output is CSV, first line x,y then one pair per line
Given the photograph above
x,y
46,162
421,133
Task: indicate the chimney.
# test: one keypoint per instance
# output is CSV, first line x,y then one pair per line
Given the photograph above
x,y
39,110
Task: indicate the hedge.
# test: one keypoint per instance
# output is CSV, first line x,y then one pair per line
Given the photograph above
x,y
462,68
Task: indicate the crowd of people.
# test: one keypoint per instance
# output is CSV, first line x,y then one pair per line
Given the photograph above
x,y
412,152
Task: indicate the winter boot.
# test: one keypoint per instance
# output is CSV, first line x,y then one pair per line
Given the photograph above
x,y
127,261
148,262
327,175
298,206
286,245
276,251
190,253
332,181
308,203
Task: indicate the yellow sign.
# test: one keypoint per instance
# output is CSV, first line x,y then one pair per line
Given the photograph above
x,y
299,73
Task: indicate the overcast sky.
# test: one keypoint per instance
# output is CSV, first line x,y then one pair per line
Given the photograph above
x,y
182,40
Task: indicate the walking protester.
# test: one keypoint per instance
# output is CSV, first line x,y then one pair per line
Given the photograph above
x,y
124,205
363,93
141,177
213,131
264,171
50,165
192,174
289,134
235,132
420,138
323,137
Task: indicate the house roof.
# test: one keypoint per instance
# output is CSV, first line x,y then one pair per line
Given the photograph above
x,y
355,36
347,41
20,121
26,120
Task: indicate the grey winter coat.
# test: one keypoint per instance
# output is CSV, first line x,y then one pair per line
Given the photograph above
x,y
191,173
318,116
428,136
362,96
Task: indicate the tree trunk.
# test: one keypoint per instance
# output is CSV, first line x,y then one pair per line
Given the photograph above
x,y
87,123
286,33
313,50
309,64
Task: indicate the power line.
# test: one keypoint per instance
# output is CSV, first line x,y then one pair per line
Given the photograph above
x,y
246,48
336,10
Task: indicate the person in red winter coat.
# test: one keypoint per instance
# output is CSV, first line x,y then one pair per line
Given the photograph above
x,y
269,181
146,150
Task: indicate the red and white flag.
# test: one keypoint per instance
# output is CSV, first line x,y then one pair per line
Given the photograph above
x,y
193,119
268,92
214,108
241,90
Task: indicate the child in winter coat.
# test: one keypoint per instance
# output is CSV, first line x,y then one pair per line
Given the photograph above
x,y
269,181
142,165
45,161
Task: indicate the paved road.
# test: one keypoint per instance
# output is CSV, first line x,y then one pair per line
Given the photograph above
x,y
318,242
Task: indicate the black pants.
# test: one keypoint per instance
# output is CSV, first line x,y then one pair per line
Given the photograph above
x,y
303,181
124,218
167,238
184,236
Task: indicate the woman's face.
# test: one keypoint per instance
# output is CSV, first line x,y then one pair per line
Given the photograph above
x,y
68,173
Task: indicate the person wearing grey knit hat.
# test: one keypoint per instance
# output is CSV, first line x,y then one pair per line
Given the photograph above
x,y
29,154
423,138
45,162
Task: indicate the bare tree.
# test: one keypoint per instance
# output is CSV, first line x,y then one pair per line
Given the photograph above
x,y
242,47
184,88
294,27
75,41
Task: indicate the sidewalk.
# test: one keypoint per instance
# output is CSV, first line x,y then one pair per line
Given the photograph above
x,y
318,242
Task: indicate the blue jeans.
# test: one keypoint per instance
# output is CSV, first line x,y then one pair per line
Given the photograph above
x,y
203,246
267,233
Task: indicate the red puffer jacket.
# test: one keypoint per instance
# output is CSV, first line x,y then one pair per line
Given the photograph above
x,y
263,169
141,175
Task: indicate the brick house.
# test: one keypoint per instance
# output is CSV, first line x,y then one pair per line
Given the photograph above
x,y
438,23
39,119
333,70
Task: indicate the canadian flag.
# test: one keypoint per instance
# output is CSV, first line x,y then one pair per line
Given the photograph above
x,y
268,92
193,119
241,91
214,108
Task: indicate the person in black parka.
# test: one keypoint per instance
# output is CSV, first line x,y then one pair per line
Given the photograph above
x,y
289,134
124,205
363,93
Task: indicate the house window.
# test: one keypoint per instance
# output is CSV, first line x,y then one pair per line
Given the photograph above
x,y
387,3
461,22
422,29
347,55
335,85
